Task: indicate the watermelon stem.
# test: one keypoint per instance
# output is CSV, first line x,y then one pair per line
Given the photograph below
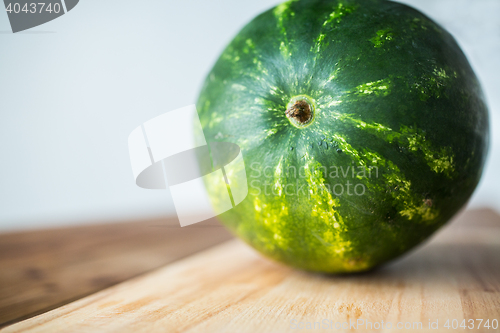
x,y
300,111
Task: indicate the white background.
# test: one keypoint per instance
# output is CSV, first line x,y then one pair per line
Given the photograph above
x,y
73,89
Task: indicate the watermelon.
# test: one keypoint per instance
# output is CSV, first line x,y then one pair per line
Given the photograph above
x,y
362,126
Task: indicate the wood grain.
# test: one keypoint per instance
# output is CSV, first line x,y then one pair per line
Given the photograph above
x,y
230,288
44,269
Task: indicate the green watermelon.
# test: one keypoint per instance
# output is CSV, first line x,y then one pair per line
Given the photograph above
x,y
362,126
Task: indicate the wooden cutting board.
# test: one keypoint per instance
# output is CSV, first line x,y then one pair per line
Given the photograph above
x,y
231,288
44,269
